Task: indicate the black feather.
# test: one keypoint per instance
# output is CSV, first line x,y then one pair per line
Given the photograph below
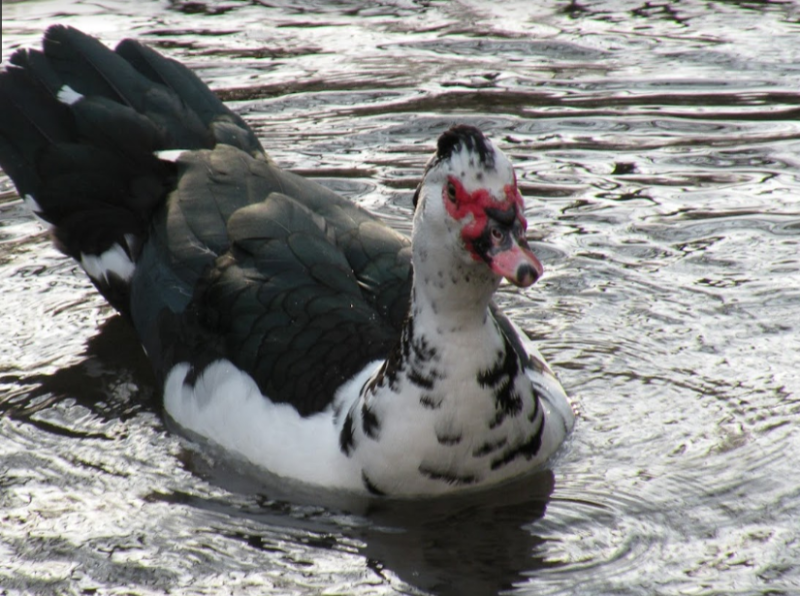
x,y
464,136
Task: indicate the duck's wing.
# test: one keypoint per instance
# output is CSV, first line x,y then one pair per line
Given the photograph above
x,y
293,284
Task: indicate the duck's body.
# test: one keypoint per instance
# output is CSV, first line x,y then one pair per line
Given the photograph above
x,y
288,325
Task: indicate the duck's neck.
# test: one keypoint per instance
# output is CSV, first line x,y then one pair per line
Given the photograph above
x,y
449,332
449,295
449,337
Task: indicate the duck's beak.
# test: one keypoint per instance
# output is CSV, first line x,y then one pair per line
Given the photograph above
x,y
517,264
508,253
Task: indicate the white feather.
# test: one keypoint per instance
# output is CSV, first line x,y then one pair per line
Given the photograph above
x,y
32,204
226,407
114,260
172,155
68,95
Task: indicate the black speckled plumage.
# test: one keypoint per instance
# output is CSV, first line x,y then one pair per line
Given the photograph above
x,y
526,449
370,486
346,436
501,378
370,423
448,477
467,137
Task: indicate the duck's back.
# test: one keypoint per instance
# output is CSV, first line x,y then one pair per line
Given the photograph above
x,y
174,210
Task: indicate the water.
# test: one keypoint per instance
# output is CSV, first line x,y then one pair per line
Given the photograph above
x,y
658,146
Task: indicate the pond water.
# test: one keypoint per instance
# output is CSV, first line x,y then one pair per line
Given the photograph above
x,y
658,147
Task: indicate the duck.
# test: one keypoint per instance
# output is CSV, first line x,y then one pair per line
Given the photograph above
x,y
286,325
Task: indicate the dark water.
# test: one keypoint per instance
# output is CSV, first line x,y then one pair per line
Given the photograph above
x,y
658,146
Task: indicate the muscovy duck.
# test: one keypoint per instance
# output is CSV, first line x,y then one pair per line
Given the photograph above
x,y
288,325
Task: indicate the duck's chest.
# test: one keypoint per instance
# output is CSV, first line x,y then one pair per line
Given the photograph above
x,y
441,416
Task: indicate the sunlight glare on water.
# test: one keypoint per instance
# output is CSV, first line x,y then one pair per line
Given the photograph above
x,y
658,147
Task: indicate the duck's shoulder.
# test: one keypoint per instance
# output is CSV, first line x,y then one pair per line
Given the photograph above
x,y
545,383
519,341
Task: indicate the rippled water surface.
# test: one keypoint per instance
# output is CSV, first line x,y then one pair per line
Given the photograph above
x,y
658,146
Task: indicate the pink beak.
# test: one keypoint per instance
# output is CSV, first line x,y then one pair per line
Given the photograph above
x,y
517,264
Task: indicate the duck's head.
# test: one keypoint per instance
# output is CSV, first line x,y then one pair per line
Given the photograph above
x,y
468,204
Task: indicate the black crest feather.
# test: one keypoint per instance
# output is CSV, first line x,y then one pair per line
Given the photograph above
x,y
457,137
463,136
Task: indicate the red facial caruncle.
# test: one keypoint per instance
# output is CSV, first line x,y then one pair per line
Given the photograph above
x,y
496,232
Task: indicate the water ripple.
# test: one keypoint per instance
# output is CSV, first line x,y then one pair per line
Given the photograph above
x,y
657,147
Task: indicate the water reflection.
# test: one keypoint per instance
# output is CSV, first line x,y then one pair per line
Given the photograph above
x,y
113,379
479,544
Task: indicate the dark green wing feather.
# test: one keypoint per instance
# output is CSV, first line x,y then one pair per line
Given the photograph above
x,y
292,283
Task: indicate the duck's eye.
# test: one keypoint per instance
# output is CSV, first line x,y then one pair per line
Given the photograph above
x,y
451,192
497,235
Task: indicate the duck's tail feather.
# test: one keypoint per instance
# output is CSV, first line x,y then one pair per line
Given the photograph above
x,y
83,135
